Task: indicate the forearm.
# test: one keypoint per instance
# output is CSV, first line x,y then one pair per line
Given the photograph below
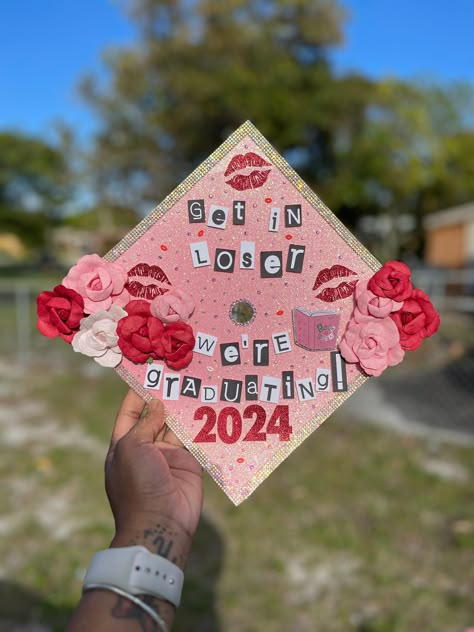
x,y
103,610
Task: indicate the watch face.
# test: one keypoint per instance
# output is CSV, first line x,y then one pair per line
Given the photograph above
x,y
256,277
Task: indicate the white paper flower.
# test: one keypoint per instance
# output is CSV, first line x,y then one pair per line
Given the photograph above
x,y
97,336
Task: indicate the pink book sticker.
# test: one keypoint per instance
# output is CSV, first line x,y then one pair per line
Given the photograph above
x,y
315,330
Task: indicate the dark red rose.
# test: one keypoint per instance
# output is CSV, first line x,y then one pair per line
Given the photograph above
x,y
392,281
417,319
139,333
60,313
177,345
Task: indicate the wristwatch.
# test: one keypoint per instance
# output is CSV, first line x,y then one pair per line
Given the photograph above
x,y
136,571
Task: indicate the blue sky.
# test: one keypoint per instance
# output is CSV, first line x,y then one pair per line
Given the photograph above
x,y
47,45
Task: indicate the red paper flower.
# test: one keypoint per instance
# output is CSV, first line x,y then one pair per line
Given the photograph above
x,y
392,281
60,313
143,336
416,320
177,345
140,333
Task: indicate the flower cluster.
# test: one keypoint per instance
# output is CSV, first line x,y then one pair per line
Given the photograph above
x,y
142,336
92,310
389,318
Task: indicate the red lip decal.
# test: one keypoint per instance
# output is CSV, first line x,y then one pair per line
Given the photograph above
x,y
249,160
244,181
148,291
254,180
328,274
343,290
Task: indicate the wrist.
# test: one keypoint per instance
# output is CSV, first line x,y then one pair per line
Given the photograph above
x,y
160,537
148,586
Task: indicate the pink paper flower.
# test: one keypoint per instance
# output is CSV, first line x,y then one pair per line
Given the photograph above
x,y
173,306
369,304
372,342
97,337
100,283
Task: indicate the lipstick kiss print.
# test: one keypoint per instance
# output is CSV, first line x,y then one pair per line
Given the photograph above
x,y
252,180
145,287
338,292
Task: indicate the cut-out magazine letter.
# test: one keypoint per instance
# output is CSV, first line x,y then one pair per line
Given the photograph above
x,y
245,305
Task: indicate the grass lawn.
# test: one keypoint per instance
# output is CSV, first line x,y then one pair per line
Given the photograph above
x,y
360,529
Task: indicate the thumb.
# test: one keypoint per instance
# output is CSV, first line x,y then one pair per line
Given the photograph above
x,y
151,427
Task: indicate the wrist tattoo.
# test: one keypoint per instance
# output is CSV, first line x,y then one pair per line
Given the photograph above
x,y
160,540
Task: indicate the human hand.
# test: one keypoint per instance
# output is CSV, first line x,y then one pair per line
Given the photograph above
x,y
154,488
150,478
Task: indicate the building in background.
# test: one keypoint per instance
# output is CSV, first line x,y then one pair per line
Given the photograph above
x,y
450,237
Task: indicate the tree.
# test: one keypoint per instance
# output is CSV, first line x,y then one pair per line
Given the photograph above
x,y
32,187
202,68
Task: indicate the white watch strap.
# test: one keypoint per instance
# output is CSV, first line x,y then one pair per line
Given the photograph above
x,y
137,571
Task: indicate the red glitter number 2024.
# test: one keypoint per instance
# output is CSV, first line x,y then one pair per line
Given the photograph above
x,y
279,424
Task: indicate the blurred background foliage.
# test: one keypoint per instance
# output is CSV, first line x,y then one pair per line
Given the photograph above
x,y
199,69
